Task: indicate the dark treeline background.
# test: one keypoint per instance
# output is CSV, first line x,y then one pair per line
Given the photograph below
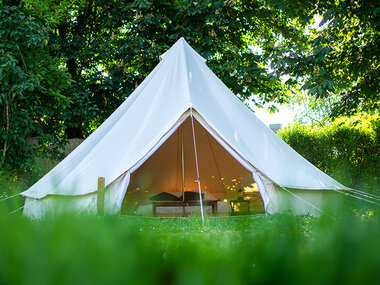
x,y
65,66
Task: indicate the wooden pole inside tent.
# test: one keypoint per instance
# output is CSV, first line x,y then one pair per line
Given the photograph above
x,y
197,168
100,196
182,166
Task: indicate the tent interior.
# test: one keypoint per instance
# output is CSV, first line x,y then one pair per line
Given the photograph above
x,y
171,169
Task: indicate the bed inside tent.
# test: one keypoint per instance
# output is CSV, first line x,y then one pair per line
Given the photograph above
x,y
170,173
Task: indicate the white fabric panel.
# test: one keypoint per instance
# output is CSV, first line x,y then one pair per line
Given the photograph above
x,y
123,189
32,211
111,195
126,137
299,203
274,196
240,128
262,189
179,82
85,204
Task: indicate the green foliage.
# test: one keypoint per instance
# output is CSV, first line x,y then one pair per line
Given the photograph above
x,y
31,82
109,47
347,149
244,250
340,57
66,66
310,109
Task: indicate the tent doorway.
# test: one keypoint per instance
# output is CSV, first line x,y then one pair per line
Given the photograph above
x,y
171,169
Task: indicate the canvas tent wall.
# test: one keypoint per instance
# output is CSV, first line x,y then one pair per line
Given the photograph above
x,y
181,85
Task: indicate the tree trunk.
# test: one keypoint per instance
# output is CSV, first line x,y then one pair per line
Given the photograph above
x,y
5,147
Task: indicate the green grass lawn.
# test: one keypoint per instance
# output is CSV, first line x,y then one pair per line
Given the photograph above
x,y
226,250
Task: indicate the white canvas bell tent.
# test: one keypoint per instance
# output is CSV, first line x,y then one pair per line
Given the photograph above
x,y
140,139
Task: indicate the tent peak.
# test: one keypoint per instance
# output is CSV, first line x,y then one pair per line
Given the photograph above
x,y
181,46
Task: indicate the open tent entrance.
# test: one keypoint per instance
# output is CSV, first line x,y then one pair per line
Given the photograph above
x,y
171,169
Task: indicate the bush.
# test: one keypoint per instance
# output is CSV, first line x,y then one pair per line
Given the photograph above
x,y
347,149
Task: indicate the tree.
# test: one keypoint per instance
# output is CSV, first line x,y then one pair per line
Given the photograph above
x,y
31,84
109,47
341,56
310,110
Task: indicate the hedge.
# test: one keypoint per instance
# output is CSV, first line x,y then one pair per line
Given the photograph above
x,y
346,149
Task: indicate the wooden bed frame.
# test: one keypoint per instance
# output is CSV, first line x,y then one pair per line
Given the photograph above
x,y
213,203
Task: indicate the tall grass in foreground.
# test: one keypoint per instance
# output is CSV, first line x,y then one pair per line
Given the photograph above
x,y
284,249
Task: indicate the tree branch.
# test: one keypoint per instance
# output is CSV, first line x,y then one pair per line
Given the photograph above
x,y
6,146
22,59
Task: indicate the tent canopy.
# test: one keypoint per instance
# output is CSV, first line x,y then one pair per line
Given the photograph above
x,y
181,85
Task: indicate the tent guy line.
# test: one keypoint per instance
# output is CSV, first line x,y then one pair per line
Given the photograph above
x,y
360,198
308,203
369,195
14,211
10,197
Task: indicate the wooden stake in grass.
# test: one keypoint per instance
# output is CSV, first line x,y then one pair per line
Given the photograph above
x,y
100,196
